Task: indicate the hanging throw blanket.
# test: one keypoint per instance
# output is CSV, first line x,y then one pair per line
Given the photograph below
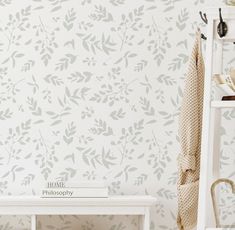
x,y
190,126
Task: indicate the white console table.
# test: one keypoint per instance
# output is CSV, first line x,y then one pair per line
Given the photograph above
x,y
114,205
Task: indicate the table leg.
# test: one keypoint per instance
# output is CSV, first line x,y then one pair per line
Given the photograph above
x,y
145,220
33,222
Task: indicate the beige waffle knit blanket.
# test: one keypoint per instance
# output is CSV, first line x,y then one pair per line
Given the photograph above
x,y
190,139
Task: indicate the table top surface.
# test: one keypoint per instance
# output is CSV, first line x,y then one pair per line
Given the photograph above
x,y
109,201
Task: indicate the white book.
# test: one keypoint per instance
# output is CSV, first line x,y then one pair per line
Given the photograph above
x,y
81,184
74,192
226,89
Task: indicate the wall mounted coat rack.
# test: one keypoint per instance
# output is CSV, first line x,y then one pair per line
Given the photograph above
x,y
222,27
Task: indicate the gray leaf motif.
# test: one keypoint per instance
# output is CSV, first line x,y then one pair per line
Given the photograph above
x,y
146,84
64,62
56,5
13,172
91,43
125,58
177,62
182,18
141,179
117,114
76,95
170,4
13,57
52,79
80,77
5,114
101,128
108,159
33,106
28,65
57,117
166,193
69,19
101,14
67,174
126,171
140,65
5,2
148,109
69,133
89,156
167,80
117,2
28,179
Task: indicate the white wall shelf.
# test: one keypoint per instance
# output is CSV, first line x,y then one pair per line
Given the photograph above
x,y
114,205
223,104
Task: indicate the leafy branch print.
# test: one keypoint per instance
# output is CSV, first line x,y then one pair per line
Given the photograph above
x,y
70,131
57,117
140,65
126,171
128,55
117,114
89,156
56,4
28,65
159,157
166,193
16,138
101,128
110,94
13,172
64,62
33,106
148,109
130,137
69,19
5,114
130,23
47,158
170,4
80,77
108,159
45,43
101,14
53,79
141,179
13,57
167,80
67,174
5,2
77,94
146,84
178,61
91,43
117,2
16,24
28,179
182,18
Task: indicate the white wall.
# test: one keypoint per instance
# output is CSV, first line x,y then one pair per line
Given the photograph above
x,y
91,90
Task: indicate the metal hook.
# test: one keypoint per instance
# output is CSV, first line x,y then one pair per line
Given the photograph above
x,y
222,27
203,17
203,37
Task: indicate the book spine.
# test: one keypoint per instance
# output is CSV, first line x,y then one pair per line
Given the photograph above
x,y
72,193
75,185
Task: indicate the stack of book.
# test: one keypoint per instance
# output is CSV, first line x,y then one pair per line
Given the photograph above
x,y
226,83
74,190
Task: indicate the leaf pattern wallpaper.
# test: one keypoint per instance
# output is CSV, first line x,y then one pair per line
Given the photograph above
x,y
91,90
